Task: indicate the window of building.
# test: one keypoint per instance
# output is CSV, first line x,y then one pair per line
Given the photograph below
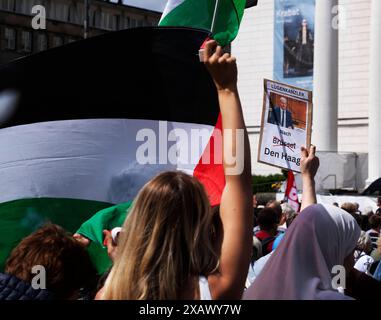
x,y
59,11
42,42
9,39
97,18
24,6
73,14
57,41
8,5
26,41
80,17
115,22
126,23
104,20
133,23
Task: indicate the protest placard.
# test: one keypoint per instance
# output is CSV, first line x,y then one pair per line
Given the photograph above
x,y
286,125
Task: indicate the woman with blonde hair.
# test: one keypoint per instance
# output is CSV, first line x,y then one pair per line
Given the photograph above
x,y
169,247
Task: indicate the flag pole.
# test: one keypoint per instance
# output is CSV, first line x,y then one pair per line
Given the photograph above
x,y
214,16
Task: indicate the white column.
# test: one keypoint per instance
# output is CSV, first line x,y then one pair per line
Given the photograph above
x,y
326,63
375,94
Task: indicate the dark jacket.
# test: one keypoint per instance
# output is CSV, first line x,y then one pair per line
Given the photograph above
x,y
12,288
361,286
275,118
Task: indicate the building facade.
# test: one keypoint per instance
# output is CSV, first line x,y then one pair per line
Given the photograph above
x,y
254,48
64,23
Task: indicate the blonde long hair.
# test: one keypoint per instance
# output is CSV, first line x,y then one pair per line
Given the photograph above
x,y
166,240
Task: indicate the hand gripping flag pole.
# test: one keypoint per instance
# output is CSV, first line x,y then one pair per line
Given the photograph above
x,y
212,27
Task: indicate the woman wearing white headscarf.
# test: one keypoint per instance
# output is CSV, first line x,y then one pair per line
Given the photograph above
x,y
320,238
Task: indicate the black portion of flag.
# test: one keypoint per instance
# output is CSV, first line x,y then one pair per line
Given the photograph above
x,y
143,73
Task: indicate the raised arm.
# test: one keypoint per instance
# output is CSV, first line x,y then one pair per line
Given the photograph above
x,y
309,167
236,207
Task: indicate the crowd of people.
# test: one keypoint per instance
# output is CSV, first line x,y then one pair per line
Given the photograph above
x,y
174,245
273,222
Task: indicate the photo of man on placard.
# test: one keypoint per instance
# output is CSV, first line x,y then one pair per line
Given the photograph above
x,y
281,115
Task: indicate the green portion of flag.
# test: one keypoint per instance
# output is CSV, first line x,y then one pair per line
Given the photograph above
x,y
106,219
20,218
199,14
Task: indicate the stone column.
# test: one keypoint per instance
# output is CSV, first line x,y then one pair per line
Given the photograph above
x,y
374,138
326,63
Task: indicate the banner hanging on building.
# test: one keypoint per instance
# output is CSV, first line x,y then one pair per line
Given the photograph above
x,y
286,125
294,42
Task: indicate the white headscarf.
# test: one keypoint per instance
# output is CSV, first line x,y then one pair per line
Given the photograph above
x,y
320,238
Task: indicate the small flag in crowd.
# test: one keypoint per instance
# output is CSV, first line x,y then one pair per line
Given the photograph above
x,y
291,194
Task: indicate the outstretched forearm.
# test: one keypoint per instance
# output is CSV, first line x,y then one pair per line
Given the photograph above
x,y
309,166
309,193
236,146
235,208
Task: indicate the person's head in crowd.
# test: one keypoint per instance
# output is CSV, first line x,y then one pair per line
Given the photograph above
x,y
364,244
335,204
301,267
290,219
67,265
166,238
375,223
255,209
352,209
255,201
276,206
357,205
378,211
349,207
287,210
376,253
268,220
364,224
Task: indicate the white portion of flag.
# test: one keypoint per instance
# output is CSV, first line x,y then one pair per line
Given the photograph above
x,y
86,159
171,4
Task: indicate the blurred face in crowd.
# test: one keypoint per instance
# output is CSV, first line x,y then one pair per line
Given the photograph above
x,y
283,103
255,202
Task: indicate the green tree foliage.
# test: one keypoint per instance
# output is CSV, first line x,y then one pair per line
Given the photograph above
x,y
265,184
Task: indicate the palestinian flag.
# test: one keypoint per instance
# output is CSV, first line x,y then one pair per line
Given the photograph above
x,y
221,17
83,127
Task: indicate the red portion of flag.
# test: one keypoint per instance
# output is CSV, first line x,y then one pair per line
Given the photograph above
x,y
210,171
204,43
291,194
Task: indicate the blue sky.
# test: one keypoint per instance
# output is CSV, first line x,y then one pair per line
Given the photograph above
x,y
157,5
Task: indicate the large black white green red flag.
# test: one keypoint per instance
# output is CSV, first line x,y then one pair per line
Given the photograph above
x,y
84,126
